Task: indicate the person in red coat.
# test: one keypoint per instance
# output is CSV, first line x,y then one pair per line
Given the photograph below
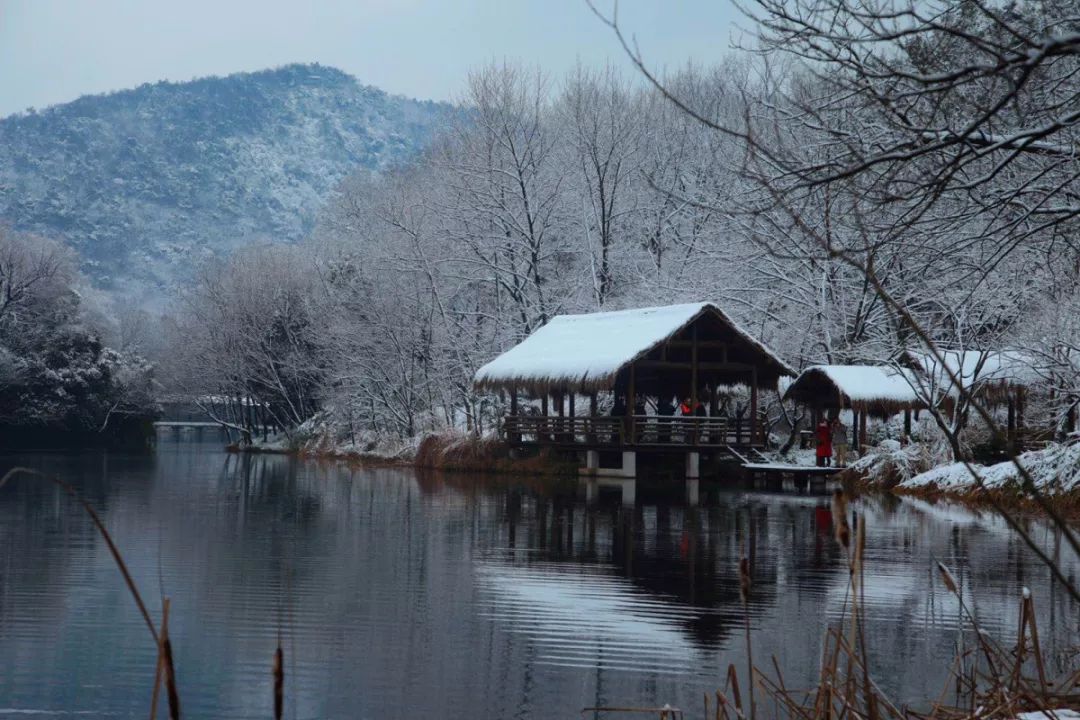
x,y
824,443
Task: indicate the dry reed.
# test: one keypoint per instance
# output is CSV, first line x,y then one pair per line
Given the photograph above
x,y
987,681
165,666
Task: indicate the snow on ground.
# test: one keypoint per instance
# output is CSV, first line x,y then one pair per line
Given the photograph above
x,y
1055,470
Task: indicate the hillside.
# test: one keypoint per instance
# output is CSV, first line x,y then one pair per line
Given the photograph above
x,y
147,183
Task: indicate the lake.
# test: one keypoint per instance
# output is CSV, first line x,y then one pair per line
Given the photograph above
x,y
401,595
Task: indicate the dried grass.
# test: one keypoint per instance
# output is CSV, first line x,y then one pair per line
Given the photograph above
x,y
986,681
454,451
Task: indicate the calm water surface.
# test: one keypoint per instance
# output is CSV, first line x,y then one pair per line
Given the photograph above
x,y
402,595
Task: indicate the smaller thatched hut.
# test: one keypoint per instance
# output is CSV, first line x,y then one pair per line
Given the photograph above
x,y
880,391
866,390
999,378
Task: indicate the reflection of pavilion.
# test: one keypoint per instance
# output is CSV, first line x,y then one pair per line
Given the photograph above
x,y
658,564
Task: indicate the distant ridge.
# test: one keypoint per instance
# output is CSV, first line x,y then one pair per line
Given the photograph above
x,y
148,182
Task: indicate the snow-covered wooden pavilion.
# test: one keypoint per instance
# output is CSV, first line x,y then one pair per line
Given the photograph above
x,y
662,353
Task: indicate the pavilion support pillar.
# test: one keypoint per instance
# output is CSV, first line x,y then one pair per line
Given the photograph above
x,y
1010,426
629,464
572,413
545,436
753,406
862,431
593,410
631,399
693,465
907,423
693,380
1020,401
514,438
560,433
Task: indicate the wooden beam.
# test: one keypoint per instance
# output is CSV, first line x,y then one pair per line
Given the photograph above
x,y
703,344
630,399
676,365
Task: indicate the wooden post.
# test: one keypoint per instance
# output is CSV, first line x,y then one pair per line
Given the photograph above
x,y
907,423
854,429
1010,425
515,438
561,430
862,430
753,405
545,423
693,380
593,410
630,400
1020,401
573,418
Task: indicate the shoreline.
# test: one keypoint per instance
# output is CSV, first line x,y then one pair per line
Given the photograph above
x,y
443,458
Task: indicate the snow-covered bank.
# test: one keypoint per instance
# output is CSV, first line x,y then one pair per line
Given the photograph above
x,y
444,450
1055,471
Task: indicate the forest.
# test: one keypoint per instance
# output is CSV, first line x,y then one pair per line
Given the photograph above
x,y
60,383
852,184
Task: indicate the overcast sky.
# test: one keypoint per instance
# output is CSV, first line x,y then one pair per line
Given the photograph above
x,y
52,51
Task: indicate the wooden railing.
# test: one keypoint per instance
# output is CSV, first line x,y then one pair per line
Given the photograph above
x,y
650,430
601,430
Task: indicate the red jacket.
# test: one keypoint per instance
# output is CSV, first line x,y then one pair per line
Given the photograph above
x,y
824,440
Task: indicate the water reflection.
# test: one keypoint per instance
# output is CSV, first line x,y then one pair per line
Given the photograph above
x,y
399,594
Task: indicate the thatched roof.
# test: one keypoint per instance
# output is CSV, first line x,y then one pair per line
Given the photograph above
x,y
585,353
879,390
1007,368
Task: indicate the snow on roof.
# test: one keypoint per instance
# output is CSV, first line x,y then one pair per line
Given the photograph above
x,y
858,385
973,367
588,350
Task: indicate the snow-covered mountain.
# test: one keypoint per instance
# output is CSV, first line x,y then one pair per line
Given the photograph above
x,y
147,183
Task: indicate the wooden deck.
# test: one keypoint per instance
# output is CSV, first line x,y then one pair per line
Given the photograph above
x,y
637,432
794,471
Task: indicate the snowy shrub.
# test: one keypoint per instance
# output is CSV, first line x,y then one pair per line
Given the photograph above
x,y
890,463
1055,470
